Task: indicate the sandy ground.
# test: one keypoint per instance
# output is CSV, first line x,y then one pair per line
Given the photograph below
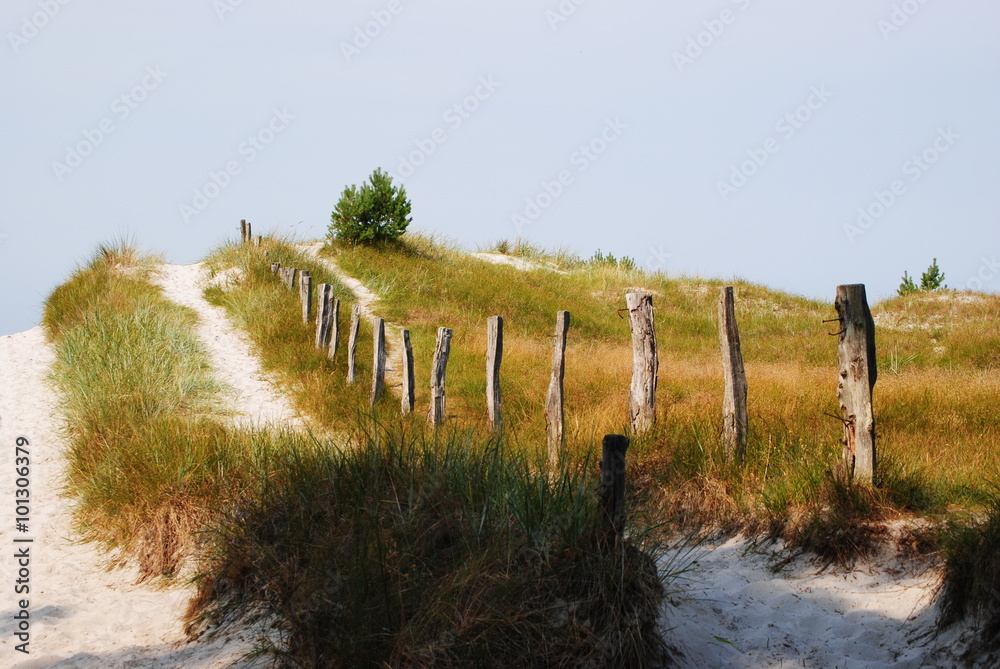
x,y
734,611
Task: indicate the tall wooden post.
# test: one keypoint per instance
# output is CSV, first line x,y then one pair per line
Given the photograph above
x,y
858,373
409,384
734,400
324,316
494,356
645,364
244,230
439,368
352,344
306,294
613,488
554,400
334,330
378,363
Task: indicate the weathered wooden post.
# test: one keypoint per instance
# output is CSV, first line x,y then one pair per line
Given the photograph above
x,y
288,275
409,384
334,330
645,364
378,363
244,230
439,368
306,294
257,241
554,400
734,401
324,317
613,488
494,356
352,344
858,373
276,268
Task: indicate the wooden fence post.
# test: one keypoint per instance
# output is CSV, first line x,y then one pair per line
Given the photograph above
x,y
352,344
408,379
858,373
257,241
439,367
613,487
275,268
378,364
734,401
288,275
645,364
334,329
306,295
554,400
324,316
494,356
244,230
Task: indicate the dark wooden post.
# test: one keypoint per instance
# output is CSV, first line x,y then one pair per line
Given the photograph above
x,y
334,329
306,294
645,364
352,344
494,356
409,384
554,400
324,316
734,401
244,231
858,373
378,363
439,368
613,487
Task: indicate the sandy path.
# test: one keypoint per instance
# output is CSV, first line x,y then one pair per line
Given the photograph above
x,y
255,398
366,300
80,614
735,612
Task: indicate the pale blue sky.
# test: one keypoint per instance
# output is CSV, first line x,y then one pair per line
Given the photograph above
x,y
873,82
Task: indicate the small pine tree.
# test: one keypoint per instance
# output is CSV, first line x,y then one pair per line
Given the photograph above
x,y
908,286
933,278
375,212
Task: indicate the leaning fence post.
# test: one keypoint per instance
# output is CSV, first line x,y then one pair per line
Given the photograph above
x,y
324,317
554,400
645,365
306,294
613,487
378,363
494,356
408,380
334,329
352,344
734,400
439,368
858,373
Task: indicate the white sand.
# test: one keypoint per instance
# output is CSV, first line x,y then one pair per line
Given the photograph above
x,y
733,611
81,614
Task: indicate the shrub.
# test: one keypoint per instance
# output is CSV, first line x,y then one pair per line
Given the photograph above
x,y
375,212
933,278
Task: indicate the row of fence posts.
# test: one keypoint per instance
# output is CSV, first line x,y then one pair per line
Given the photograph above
x,y
856,358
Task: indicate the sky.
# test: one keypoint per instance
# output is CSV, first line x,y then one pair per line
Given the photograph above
x,y
800,145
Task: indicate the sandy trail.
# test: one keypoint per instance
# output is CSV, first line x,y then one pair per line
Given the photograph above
x,y
366,300
80,614
255,398
735,612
